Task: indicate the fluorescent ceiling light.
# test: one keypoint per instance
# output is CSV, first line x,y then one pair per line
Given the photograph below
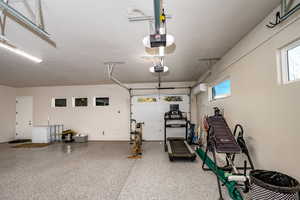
x,y
152,70
20,52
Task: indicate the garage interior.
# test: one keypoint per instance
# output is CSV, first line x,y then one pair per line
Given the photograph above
x,y
149,100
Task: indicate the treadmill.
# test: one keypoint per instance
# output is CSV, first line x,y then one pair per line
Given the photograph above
x,y
177,147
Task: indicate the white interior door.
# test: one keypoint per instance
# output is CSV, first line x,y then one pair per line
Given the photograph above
x,y
24,110
152,114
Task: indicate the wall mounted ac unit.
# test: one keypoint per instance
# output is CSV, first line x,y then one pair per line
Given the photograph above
x,y
202,87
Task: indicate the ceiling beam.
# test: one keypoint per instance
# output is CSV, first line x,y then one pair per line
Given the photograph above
x,y
157,13
7,9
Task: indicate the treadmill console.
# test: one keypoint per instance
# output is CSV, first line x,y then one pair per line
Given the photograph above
x,y
174,112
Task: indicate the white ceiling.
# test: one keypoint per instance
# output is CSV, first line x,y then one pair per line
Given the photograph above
x,y
90,32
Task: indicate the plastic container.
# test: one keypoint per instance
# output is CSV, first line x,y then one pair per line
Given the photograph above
x,y
273,185
80,138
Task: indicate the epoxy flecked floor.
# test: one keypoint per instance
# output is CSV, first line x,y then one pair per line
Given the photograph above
x,y
100,171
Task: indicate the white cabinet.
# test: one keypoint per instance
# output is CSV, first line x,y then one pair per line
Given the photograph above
x,y
41,134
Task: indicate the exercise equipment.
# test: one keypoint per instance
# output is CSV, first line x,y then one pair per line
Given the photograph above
x,y
191,134
136,145
221,175
221,140
177,147
262,184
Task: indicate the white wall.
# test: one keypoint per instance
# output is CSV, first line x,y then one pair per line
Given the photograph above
x,y
268,110
113,120
7,113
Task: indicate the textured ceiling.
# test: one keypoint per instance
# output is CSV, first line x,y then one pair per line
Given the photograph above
x,y
90,32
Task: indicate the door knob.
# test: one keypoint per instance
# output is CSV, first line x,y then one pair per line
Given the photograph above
x,y
30,123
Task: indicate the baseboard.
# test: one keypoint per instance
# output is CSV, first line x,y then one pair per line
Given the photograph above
x,y
108,140
123,141
127,141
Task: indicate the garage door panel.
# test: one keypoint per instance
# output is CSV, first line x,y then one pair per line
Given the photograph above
x,y
152,114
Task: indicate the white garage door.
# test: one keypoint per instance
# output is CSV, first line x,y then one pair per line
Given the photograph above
x,y
151,109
